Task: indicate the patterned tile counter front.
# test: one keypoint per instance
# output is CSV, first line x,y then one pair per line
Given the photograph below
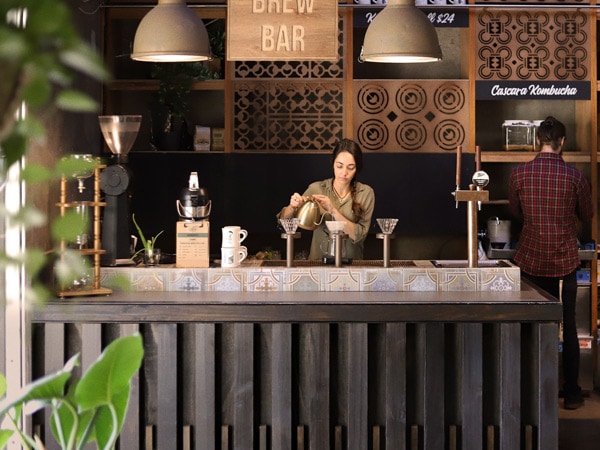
x,y
366,276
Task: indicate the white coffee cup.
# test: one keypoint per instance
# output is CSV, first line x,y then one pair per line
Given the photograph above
x,y
233,256
233,236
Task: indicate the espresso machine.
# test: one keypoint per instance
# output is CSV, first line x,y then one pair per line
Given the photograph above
x,y
119,134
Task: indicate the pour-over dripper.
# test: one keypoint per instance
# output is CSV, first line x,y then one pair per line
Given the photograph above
x,y
289,224
81,175
120,132
335,226
387,225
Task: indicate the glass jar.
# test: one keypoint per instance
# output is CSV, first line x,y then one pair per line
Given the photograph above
x,y
518,135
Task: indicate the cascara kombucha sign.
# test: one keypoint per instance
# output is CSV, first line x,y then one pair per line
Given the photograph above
x,y
282,30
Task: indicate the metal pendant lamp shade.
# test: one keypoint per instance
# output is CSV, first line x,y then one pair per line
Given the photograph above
x,y
171,32
401,33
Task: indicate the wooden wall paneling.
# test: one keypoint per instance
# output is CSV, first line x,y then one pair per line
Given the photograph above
x,y
314,384
165,341
395,385
54,360
357,417
279,348
205,423
509,386
243,386
543,360
469,384
91,344
130,437
429,383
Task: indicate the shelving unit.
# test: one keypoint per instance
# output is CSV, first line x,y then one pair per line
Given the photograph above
x,y
131,91
95,251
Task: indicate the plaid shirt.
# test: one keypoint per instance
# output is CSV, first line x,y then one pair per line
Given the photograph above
x,y
549,196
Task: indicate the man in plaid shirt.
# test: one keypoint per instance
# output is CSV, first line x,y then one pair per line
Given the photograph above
x,y
550,197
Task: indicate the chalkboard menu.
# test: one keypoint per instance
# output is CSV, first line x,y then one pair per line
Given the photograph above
x,y
440,17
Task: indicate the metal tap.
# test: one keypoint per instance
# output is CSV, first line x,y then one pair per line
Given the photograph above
x,y
475,195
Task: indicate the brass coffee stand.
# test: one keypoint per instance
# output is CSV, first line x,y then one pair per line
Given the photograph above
x,y
94,251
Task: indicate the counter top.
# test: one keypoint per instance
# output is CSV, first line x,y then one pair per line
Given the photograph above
x,y
527,304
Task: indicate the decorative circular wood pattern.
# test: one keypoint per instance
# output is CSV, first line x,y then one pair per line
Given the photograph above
x,y
372,134
372,98
411,98
426,115
411,134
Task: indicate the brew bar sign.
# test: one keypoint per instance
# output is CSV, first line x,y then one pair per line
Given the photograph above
x,y
282,30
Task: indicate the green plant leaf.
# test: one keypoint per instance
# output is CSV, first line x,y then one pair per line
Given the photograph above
x,y
37,91
5,436
104,431
76,101
111,373
73,422
67,227
3,385
44,389
140,232
36,173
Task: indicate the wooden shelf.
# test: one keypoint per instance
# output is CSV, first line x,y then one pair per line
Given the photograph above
x,y
152,85
519,157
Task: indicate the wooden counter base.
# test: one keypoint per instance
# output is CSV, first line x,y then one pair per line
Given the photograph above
x,y
321,370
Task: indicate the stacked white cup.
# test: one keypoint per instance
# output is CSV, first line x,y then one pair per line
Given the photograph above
x,y
232,253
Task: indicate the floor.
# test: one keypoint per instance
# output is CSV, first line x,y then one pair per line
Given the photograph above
x,y
580,429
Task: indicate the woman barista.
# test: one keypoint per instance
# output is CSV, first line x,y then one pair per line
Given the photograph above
x,y
342,198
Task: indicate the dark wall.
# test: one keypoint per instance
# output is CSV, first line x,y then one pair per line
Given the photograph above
x,y
250,189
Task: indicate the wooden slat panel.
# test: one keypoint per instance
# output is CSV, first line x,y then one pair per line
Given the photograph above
x,y
54,360
281,386
165,336
205,387
130,433
243,385
91,344
314,378
546,360
395,385
510,387
470,379
358,383
430,383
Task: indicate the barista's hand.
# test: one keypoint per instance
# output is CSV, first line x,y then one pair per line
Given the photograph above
x,y
324,202
296,200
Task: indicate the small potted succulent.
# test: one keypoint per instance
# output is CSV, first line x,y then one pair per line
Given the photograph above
x,y
150,252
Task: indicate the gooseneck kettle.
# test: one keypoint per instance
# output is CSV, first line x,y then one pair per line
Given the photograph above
x,y
309,215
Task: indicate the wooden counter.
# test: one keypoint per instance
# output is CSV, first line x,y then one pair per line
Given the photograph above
x,y
321,370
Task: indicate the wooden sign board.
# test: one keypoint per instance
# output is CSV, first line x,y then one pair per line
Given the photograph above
x,y
282,30
192,244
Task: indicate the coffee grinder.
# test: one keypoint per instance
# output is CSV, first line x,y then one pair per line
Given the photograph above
x,y
119,134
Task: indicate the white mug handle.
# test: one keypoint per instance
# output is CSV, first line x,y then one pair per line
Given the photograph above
x,y
243,235
243,252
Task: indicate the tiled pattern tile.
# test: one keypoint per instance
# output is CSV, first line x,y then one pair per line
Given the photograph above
x,y
421,277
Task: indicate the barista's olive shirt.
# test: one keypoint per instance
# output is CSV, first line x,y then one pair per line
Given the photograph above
x,y
352,248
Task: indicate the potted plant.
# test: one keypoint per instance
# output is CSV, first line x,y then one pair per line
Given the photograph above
x,y
89,410
170,130
151,253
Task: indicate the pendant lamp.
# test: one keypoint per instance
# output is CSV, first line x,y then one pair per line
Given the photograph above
x,y
401,33
171,32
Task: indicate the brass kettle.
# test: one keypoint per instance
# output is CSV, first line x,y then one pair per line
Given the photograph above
x,y
309,215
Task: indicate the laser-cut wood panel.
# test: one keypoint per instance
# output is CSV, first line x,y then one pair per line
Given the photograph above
x,y
411,115
533,45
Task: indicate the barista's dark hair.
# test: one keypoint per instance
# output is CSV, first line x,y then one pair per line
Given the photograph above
x,y
550,132
348,145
